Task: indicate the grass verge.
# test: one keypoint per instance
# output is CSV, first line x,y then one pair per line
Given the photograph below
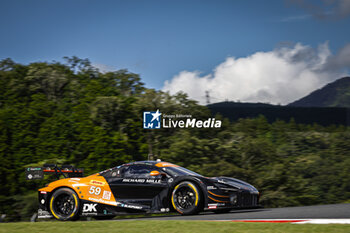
x,y
168,227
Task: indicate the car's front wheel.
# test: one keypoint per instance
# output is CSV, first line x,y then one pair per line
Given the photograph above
x,y
64,204
186,198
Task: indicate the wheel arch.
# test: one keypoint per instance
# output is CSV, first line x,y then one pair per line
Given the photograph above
x,y
201,186
57,188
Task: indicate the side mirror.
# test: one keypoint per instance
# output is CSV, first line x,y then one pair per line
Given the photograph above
x,y
155,173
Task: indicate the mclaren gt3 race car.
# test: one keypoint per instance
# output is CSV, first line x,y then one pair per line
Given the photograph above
x,y
147,186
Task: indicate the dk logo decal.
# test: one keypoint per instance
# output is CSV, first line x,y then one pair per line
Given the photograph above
x,y
89,208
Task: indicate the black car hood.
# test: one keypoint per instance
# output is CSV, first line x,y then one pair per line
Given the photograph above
x,y
234,183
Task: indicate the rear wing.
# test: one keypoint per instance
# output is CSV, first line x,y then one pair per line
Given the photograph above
x,y
67,171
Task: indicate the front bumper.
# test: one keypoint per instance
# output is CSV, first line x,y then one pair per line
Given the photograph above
x,y
232,199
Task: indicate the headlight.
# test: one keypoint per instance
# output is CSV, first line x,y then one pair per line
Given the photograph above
x,y
220,185
226,187
233,198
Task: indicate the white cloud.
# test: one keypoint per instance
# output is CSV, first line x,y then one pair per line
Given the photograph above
x,y
103,68
279,76
295,18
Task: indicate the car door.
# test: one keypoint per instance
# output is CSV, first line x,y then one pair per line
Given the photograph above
x,y
134,183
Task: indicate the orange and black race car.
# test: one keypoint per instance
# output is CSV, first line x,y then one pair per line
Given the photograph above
x,y
146,186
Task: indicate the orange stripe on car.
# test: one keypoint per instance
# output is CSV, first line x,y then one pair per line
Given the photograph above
x,y
218,200
217,195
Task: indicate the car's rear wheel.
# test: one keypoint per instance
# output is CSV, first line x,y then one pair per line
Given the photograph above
x,y
186,198
64,204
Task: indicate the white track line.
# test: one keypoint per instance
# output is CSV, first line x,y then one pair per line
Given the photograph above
x,y
294,221
326,221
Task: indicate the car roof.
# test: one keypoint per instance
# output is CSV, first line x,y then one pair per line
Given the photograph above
x,y
153,163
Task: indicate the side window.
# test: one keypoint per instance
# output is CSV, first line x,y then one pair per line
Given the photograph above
x,y
115,172
138,171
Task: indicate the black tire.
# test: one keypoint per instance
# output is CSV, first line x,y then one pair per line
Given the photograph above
x,y
64,204
186,198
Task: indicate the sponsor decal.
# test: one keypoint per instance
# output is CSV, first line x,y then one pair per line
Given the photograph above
x,y
153,181
105,212
43,192
128,180
100,200
97,182
130,206
106,195
34,169
211,187
134,180
33,173
89,209
79,185
151,120
215,205
210,206
44,214
74,179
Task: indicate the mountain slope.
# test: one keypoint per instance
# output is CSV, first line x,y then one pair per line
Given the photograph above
x,y
335,94
304,115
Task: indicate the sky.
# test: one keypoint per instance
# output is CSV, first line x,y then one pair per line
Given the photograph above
x,y
239,50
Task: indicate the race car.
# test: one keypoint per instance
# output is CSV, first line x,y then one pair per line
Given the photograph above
x,y
144,186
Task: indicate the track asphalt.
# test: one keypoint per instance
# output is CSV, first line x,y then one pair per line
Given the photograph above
x,y
334,211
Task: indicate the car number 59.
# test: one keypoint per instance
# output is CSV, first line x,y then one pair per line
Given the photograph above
x,y
95,190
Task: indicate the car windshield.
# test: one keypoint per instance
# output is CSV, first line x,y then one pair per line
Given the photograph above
x,y
180,171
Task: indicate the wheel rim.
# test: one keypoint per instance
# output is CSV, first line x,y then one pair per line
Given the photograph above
x,y
184,198
64,204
